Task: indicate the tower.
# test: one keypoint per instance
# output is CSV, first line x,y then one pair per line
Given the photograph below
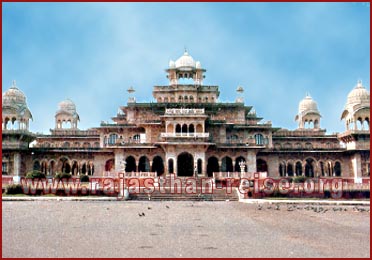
x,y
185,68
308,116
357,109
66,116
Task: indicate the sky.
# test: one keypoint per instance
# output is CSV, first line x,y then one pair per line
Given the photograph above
x,y
93,52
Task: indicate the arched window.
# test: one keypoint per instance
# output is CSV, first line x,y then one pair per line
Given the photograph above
x,y
290,169
136,138
298,169
178,128
337,169
184,128
112,139
259,139
191,128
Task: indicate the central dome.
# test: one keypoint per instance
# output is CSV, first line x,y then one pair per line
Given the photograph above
x,y
185,61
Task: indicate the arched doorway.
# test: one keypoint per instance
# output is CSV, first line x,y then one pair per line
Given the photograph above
x,y
298,168
261,165
144,164
157,165
309,168
185,164
75,168
227,165
130,165
337,169
290,169
237,166
109,165
212,166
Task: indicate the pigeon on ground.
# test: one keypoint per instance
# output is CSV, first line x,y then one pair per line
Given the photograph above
x,y
167,206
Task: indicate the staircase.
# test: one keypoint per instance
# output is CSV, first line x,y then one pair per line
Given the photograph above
x,y
167,193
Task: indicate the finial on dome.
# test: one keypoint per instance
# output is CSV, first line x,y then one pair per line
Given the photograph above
x,y
308,95
185,52
14,84
359,84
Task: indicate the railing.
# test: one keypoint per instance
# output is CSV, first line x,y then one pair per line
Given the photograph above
x,y
184,111
238,175
196,135
131,174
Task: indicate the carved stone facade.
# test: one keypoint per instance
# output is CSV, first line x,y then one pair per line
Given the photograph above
x,y
187,132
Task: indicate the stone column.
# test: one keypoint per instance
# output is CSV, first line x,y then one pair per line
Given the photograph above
x,y
119,157
357,165
273,166
251,161
17,167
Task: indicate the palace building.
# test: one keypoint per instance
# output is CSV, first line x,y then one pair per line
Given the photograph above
x,y
186,132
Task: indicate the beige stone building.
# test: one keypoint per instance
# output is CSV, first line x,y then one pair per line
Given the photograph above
x,y
186,132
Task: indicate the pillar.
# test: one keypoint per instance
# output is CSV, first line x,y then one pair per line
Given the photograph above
x,y
251,161
17,167
119,158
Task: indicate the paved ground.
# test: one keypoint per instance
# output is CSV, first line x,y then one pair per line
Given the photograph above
x,y
185,229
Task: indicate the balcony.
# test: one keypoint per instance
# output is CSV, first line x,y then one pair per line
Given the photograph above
x,y
184,135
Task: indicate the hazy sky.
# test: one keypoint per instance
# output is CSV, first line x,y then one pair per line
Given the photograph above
x,y
92,52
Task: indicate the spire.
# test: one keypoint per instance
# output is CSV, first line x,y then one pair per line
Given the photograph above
x,y
14,84
359,84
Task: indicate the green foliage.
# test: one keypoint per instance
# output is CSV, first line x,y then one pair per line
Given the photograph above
x,y
299,179
35,175
84,178
63,175
14,189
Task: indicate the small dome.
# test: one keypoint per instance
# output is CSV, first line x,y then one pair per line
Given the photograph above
x,y
198,65
357,100
308,105
185,61
14,103
13,96
358,96
67,106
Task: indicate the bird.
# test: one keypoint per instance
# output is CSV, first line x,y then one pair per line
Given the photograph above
x,y
143,213
148,208
167,206
277,207
259,207
139,214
